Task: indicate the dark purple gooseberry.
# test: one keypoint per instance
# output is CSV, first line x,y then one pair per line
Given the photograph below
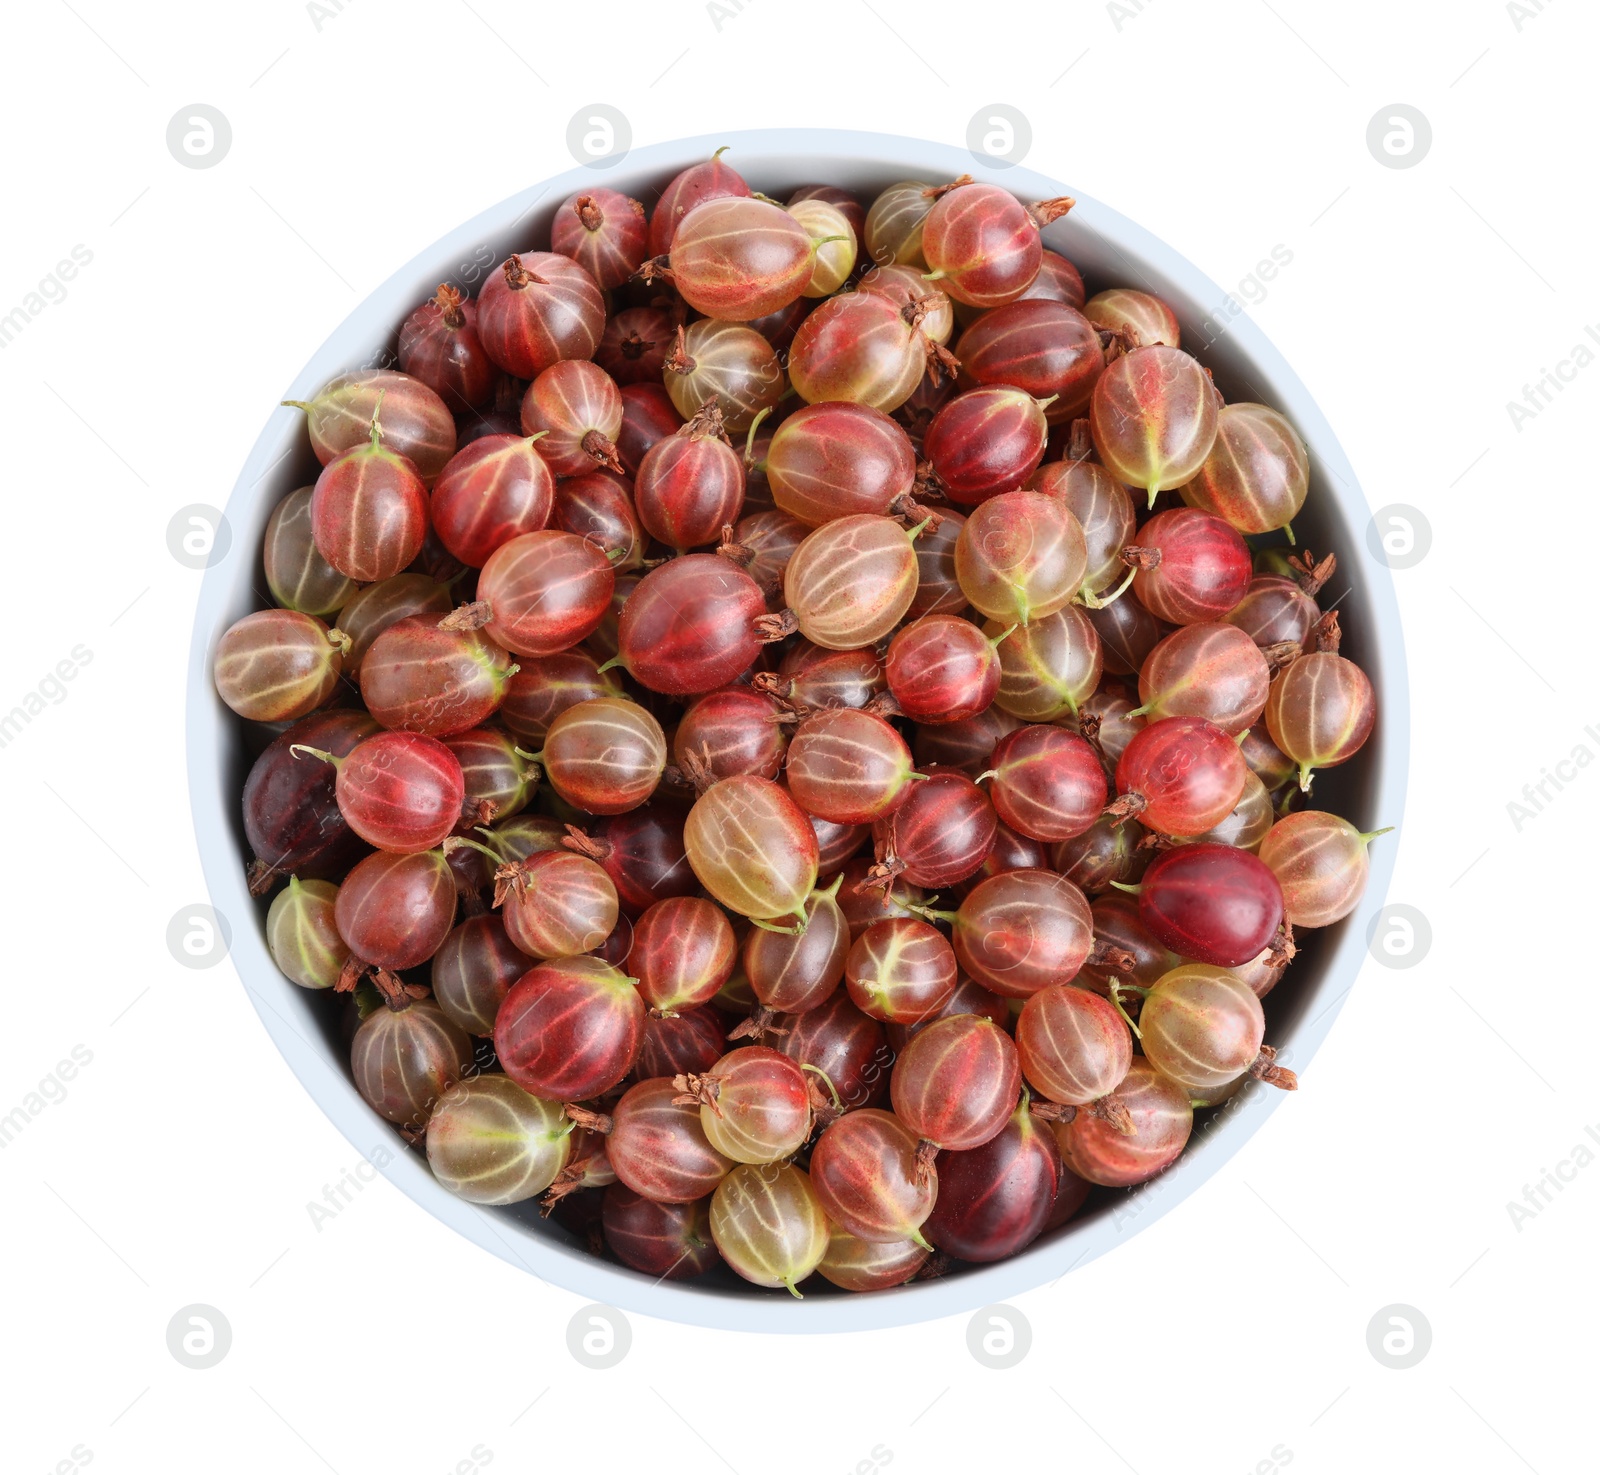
x,y
969,998
939,591
543,688
995,1199
635,345
648,415
1212,903
664,1241
941,834
1128,633
689,1042
810,678
843,1044
763,543
642,851
1010,852
836,845
780,326
291,817
439,345
842,201
1107,852
792,972
473,972
1117,926
864,904
967,744
1274,610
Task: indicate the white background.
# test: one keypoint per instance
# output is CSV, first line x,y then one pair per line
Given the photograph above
x,y
1231,1335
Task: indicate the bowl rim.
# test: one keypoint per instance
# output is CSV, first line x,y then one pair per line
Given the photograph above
x,y
208,725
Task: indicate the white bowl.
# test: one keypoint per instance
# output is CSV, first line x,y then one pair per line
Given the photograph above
x,y
1110,251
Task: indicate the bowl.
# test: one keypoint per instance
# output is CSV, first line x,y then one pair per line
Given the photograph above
x,y
1109,250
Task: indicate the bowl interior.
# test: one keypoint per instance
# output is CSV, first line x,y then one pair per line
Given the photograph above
x,y
1110,251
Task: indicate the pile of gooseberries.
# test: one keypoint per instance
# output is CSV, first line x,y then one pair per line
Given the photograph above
x,y
785,729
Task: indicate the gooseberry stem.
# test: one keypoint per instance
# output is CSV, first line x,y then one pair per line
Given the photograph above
x,y
1115,987
827,1081
750,439
1091,600
455,842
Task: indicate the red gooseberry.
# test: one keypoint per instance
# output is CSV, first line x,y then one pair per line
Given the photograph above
x,y
664,1241
394,911
1212,903
656,1145
545,591
837,459
1191,566
490,492
942,668
575,408
420,676
538,309
955,1085
604,232
1048,784
848,766
369,510
871,1181
690,484
1102,1152
569,1029
1179,776
986,441
689,626
941,834
712,180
